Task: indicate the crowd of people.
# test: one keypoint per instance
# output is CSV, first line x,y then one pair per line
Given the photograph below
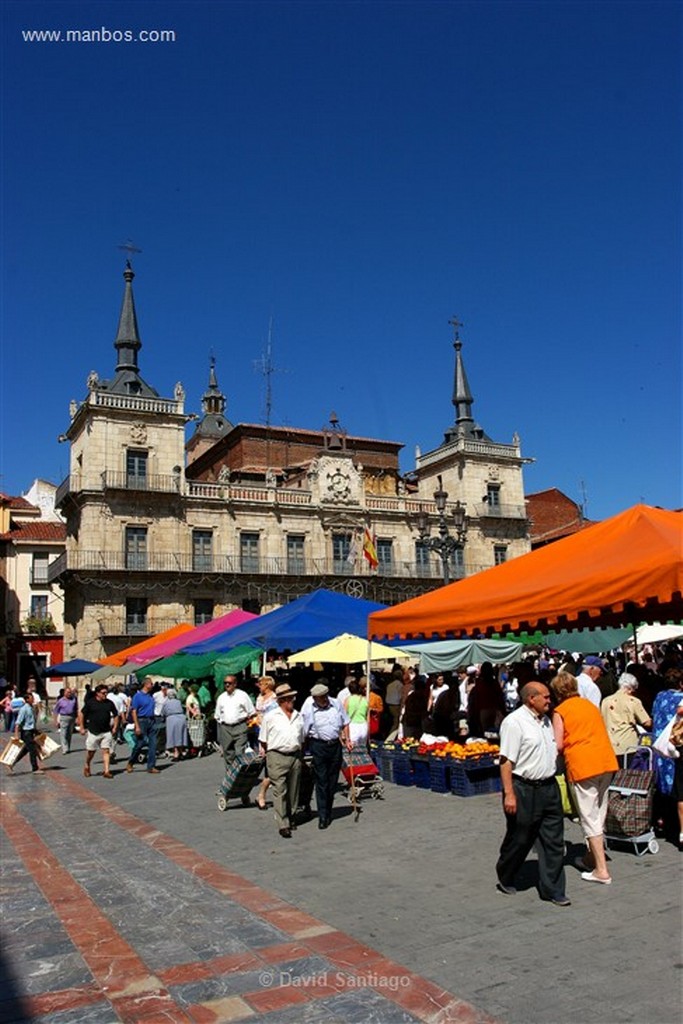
x,y
581,713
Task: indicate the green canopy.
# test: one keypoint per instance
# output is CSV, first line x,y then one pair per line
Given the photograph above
x,y
197,666
584,641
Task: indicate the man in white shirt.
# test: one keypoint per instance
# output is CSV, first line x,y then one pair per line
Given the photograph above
x,y
591,670
531,797
281,739
233,710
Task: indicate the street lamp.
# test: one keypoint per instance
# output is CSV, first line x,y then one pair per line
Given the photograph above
x,y
445,545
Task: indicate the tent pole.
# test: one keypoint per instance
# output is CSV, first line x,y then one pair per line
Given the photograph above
x,y
635,643
368,663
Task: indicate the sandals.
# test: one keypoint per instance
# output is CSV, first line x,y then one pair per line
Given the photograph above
x,y
590,876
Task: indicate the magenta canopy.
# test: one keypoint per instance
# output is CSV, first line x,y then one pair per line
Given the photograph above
x,y
193,636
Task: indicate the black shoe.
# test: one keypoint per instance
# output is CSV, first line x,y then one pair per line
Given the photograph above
x,y
560,901
286,833
246,801
506,890
323,822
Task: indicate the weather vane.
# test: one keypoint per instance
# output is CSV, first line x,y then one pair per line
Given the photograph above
x,y
129,249
456,325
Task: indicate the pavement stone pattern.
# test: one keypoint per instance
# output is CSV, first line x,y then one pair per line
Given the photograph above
x,y
136,900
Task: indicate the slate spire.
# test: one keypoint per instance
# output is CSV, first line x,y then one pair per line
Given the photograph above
x,y
462,400
127,341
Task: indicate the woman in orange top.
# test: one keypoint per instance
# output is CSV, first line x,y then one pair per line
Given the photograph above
x,y
590,763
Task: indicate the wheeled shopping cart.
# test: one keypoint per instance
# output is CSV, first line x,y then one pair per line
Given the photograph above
x,y
196,730
240,778
629,807
361,775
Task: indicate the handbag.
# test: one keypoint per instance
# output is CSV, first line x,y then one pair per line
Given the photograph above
x,y
663,744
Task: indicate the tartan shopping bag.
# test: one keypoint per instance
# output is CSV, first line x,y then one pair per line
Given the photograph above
x,y
629,806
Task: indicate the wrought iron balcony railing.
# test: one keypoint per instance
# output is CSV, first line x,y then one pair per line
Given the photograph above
x,y
113,480
247,564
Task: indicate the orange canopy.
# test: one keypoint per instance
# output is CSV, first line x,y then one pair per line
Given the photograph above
x,y
121,657
626,569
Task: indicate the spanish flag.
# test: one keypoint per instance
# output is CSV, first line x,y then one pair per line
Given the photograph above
x,y
369,549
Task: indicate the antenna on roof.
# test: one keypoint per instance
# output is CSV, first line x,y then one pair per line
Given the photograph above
x,y
584,500
265,367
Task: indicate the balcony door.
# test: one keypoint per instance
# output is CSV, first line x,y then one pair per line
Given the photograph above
x,y
136,547
136,469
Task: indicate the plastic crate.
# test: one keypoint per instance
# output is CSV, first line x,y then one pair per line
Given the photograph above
x,y
403,770
439,775
386,765
421,774
474,779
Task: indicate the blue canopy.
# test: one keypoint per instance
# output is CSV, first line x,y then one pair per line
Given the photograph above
x,y
309,620
77,667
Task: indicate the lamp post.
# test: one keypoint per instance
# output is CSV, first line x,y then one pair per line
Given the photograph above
x,y
445,545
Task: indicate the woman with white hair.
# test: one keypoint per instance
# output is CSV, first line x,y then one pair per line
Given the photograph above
x,y
622,714
176,724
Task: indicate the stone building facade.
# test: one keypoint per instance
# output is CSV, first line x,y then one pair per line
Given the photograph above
x,y
161,531
32,536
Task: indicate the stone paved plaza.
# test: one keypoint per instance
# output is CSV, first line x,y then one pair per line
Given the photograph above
x,y
135,899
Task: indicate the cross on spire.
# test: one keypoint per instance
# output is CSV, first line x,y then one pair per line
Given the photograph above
x,y
456,325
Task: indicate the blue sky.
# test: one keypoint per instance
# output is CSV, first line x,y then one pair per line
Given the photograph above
x,y
360,172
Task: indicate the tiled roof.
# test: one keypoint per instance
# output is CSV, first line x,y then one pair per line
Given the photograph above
x,y
553,515
17,503
54,533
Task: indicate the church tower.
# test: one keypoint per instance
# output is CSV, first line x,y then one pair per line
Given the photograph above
x,y
121,496
483,475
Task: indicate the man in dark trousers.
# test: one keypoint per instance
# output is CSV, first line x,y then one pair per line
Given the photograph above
x,y
142,713
531,797
326,726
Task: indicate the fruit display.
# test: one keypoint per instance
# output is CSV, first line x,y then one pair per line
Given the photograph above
x,y
457,751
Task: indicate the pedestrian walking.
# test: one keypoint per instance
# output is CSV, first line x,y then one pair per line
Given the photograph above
x,y
531,797
65,712
25,730
233,710
144,727
326,726
98,720
281,740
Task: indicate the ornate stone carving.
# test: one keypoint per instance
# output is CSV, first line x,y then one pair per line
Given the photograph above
x,y
138,433
494,473
93,380
73,408
179,392
224,475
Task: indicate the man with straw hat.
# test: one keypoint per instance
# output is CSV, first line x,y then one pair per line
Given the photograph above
x,y
281,739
